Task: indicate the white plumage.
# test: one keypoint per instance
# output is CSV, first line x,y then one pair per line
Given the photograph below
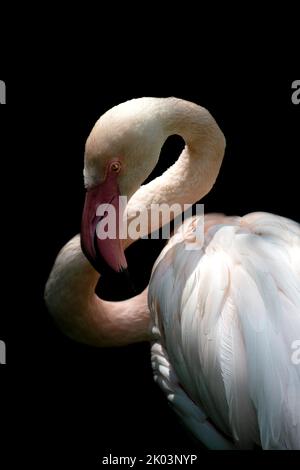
x,y
228,315
223,319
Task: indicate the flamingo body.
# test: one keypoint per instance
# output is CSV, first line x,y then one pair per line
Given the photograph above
x,y
226,317
223,318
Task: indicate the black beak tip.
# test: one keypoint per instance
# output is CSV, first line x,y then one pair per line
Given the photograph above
x,y
128,281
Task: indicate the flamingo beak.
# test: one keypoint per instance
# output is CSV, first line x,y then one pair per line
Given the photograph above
x,y
103,250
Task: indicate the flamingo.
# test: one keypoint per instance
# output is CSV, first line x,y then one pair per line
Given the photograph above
x,y
221,319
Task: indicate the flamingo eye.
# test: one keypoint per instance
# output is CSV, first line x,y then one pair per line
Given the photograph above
x,y
115,167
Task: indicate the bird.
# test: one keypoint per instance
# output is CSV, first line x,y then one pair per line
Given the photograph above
x,y
222,317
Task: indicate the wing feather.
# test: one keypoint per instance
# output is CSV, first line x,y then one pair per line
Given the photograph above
x,y
228,315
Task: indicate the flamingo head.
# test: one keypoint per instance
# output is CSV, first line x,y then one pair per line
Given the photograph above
x,y
120,153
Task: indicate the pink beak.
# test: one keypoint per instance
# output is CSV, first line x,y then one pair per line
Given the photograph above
x,y
108,252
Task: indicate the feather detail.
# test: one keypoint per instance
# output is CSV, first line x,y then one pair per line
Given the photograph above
x,y
230,323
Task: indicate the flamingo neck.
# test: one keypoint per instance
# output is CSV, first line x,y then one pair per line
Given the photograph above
x,y
194,173
70,291
81,314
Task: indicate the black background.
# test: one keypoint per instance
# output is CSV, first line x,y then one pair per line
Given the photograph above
x,y
67,403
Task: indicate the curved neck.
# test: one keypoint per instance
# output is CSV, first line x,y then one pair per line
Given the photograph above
x,y
194,173
70,290
71,299
192,176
